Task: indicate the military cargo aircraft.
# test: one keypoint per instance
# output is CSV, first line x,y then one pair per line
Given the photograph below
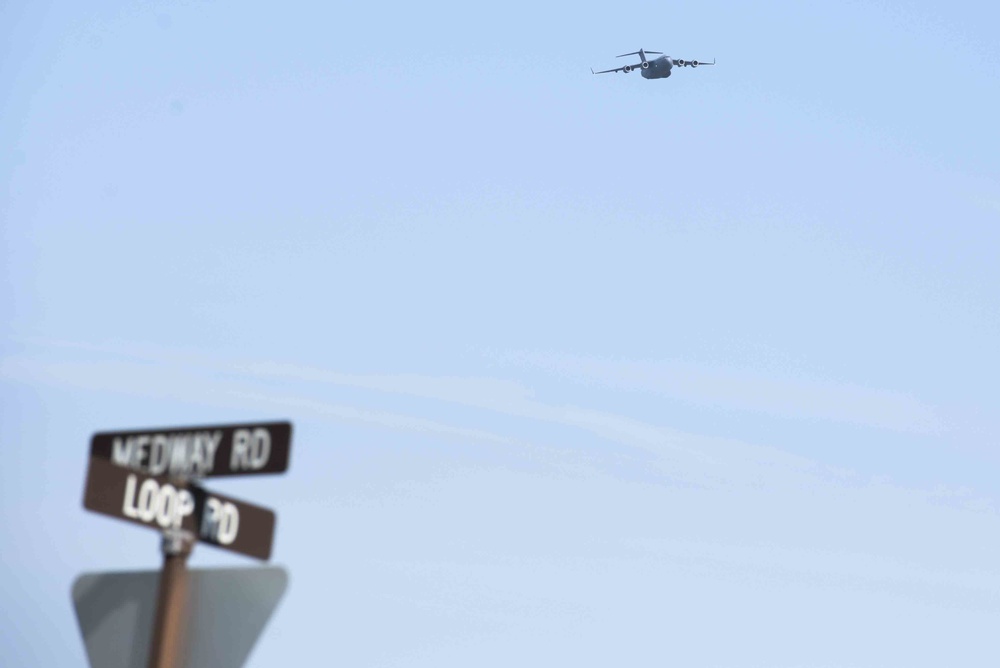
x,y
658,68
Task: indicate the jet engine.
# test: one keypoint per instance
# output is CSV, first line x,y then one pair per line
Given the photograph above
x,y
645,64
694,63
680,62
627,69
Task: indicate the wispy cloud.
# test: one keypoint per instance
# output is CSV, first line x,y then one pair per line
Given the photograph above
x,y
177,382
161,372
753,495
344,413
249,385
990,203
784,397
684,457
499,396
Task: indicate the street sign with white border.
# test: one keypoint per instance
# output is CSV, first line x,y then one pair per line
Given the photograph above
x,y
163,503
198,452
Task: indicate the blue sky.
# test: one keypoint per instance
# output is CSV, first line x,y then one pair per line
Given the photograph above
x,y
583,369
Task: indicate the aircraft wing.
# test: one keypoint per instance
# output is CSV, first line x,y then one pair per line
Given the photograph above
x,y
624,68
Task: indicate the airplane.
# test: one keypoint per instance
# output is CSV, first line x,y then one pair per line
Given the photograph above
x,y
658,68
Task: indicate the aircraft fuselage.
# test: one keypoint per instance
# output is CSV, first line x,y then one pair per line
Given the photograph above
x,y
658,68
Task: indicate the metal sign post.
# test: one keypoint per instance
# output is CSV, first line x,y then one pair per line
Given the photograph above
x,y
169,630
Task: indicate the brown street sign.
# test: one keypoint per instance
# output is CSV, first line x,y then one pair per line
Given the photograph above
x,y
185,452
158,503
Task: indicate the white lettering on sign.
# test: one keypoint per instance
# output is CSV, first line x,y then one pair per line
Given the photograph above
x,y
120,452
185,454
251,449
221,521
164,504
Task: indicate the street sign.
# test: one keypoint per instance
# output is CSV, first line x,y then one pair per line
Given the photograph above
x,y
227,610
185,452
160,503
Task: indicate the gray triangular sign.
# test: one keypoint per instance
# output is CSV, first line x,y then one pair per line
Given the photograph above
x,y
227,610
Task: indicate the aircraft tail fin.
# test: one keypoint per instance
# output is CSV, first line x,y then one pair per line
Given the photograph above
x,y
641,53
